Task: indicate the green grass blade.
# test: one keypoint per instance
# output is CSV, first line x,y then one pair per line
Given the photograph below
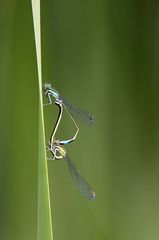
x,y
44,210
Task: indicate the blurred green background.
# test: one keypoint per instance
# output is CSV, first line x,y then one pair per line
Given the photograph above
x,y
102,56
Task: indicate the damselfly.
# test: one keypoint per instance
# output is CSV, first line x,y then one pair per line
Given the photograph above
x,y
56,146
73,111
79,113
58,152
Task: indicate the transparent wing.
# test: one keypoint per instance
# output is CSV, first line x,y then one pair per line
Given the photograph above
x,y
79,113
84,188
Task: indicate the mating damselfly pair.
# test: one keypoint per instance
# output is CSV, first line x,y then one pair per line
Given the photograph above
x,y
56,147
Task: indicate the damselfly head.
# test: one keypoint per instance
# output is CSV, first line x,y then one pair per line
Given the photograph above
x,y
48,90
47,86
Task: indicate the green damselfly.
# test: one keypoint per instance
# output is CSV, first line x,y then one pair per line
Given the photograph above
x,y
58,153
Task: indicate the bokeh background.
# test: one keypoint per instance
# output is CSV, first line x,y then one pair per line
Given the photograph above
x,y
102,56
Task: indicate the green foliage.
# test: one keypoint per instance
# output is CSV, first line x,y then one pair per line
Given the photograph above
x,y
44,209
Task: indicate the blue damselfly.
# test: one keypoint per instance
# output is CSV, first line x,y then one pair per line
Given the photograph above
x,y
73,111
79,113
